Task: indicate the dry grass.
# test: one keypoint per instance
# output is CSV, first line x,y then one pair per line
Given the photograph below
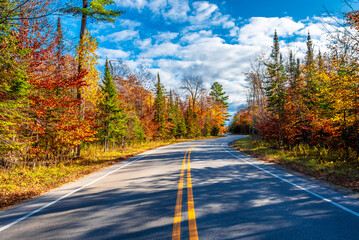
x,y
319,163
20,183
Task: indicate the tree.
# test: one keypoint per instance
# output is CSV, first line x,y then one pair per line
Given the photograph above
x,y
218,95
95,10
275,90
160,116
176,118
112,119
194,87
14,86
219,106
90,93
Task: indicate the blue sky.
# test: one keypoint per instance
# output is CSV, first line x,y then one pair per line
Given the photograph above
x,y
215,39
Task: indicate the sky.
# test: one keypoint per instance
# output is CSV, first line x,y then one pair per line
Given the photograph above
x,y
214,39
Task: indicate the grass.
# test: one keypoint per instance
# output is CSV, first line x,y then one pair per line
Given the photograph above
x,y
19,183
317,162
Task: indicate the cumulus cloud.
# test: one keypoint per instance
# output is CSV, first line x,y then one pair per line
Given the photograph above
x,y
165,36
161,50
112,53
169,9
198,47
259,30
120,36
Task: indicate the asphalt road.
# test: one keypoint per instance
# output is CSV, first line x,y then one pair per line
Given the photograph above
x,y
221,195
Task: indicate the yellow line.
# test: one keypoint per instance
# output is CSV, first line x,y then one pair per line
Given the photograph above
x,y
193,235
176,233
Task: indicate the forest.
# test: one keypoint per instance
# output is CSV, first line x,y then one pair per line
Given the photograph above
x,y
55,99
309,103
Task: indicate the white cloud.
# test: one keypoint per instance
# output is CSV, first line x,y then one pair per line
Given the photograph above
x,y
112,53
170,9
139,4
144,44
129,24
259,30
206,15
190,37
120,36
198,48
161,50
209,55
202,11
166,36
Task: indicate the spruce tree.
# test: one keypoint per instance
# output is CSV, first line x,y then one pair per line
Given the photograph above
x,y
309,70
309,57
160,109
275,89
176,118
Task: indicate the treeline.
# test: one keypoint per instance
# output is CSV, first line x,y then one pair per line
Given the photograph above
x,y
54,100
311,101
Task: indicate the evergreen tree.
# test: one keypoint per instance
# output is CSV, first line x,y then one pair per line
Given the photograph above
x,y
96,11
176,118
218,95
160,109
276,79
310,92
309,57
276,82
113,120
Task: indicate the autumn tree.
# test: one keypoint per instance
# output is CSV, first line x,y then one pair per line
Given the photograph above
x,y
90,93
96,11
13,85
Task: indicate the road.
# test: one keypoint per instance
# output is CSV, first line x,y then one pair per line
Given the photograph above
x,y
192,190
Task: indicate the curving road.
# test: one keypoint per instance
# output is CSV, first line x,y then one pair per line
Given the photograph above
x,y
192,190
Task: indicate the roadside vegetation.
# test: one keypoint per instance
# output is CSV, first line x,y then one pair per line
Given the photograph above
x,y
304,112
313,161
63,116
22,182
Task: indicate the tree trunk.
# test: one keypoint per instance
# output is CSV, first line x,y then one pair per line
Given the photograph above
x,y
78,90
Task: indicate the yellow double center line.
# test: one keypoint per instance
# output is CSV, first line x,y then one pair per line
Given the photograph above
x,y
176,233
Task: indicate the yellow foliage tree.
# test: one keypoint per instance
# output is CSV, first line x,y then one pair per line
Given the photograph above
x,y
91,92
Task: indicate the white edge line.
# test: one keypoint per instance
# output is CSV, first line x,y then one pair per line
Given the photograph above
x,y
295,185
70,193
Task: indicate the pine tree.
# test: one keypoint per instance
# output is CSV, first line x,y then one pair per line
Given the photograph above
x,y
218,95
220,98
113,120
96,11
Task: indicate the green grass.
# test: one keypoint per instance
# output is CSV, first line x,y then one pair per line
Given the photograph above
x,y
317,162
21,182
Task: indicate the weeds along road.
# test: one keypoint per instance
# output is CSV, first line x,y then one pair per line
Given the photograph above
x,y
192,190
